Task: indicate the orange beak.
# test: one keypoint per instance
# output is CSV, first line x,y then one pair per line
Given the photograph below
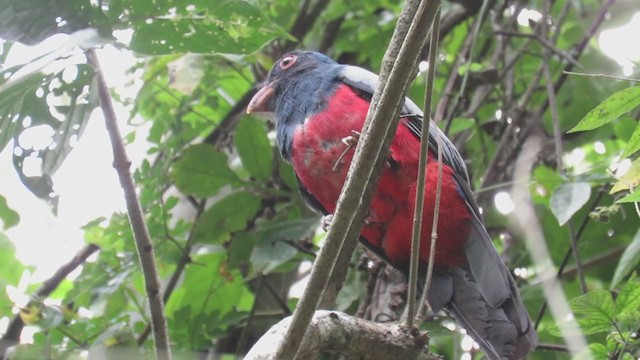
x,y
260,101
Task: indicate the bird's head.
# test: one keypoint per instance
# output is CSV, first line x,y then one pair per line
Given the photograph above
x,y
295,71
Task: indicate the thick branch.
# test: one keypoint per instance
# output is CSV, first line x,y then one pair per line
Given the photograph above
x,y
352,337
12,335
141,235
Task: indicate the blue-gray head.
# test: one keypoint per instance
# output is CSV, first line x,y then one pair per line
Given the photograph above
x,y
297,87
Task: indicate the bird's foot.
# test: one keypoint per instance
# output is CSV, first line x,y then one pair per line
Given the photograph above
x,y
350,141
326,222
327,219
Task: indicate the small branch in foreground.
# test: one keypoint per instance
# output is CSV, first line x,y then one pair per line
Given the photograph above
x,y
144,246
12,335
421,183
601,75
338,333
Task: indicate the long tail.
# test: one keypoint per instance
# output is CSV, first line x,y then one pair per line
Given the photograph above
x,y
484,299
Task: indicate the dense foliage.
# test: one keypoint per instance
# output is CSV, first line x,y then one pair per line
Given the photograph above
x,y
228,228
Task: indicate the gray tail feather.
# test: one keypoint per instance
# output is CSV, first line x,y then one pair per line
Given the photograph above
x,y
498,330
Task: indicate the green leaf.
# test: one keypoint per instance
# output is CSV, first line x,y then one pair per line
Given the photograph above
x,y
595,311
9,217
629,297
270,250
567,199
254,148
634,143
228,215
207,287
633,197
202,171
628,261
238,27
610,109
31,21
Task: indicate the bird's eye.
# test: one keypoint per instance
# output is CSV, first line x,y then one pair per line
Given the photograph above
x,y
287,61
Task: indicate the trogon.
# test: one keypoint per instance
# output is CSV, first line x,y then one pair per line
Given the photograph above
x,y
320,106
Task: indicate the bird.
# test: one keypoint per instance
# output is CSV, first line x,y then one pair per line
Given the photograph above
x,y
320,108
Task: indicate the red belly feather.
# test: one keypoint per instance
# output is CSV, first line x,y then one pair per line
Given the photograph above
x,y
317,146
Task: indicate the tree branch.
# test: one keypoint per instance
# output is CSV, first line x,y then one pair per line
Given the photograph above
x,y
144,246
338,333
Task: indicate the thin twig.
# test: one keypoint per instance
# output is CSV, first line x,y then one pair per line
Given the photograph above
x,y
544,42
421,184
366,166
424,305
601,75
144,246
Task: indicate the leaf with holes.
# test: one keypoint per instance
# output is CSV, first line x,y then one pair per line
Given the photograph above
x,y
202,171
567,199
254,148
238,27
610,109
629,260
595,311
31,21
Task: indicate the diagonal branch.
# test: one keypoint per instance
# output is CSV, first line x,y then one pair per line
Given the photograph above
x,y
144,246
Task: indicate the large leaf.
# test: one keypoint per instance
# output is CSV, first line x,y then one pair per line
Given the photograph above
x,y
595,311
629,260
610,109
629,297
202,171
270,250
230,214
254,148
29,103
235,27
31,21
8,217
567,199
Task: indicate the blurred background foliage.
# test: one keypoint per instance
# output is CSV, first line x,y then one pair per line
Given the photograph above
x,y
233,238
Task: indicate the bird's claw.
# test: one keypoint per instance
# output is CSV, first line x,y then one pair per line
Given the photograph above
x,y
328,219
350,141
326,222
